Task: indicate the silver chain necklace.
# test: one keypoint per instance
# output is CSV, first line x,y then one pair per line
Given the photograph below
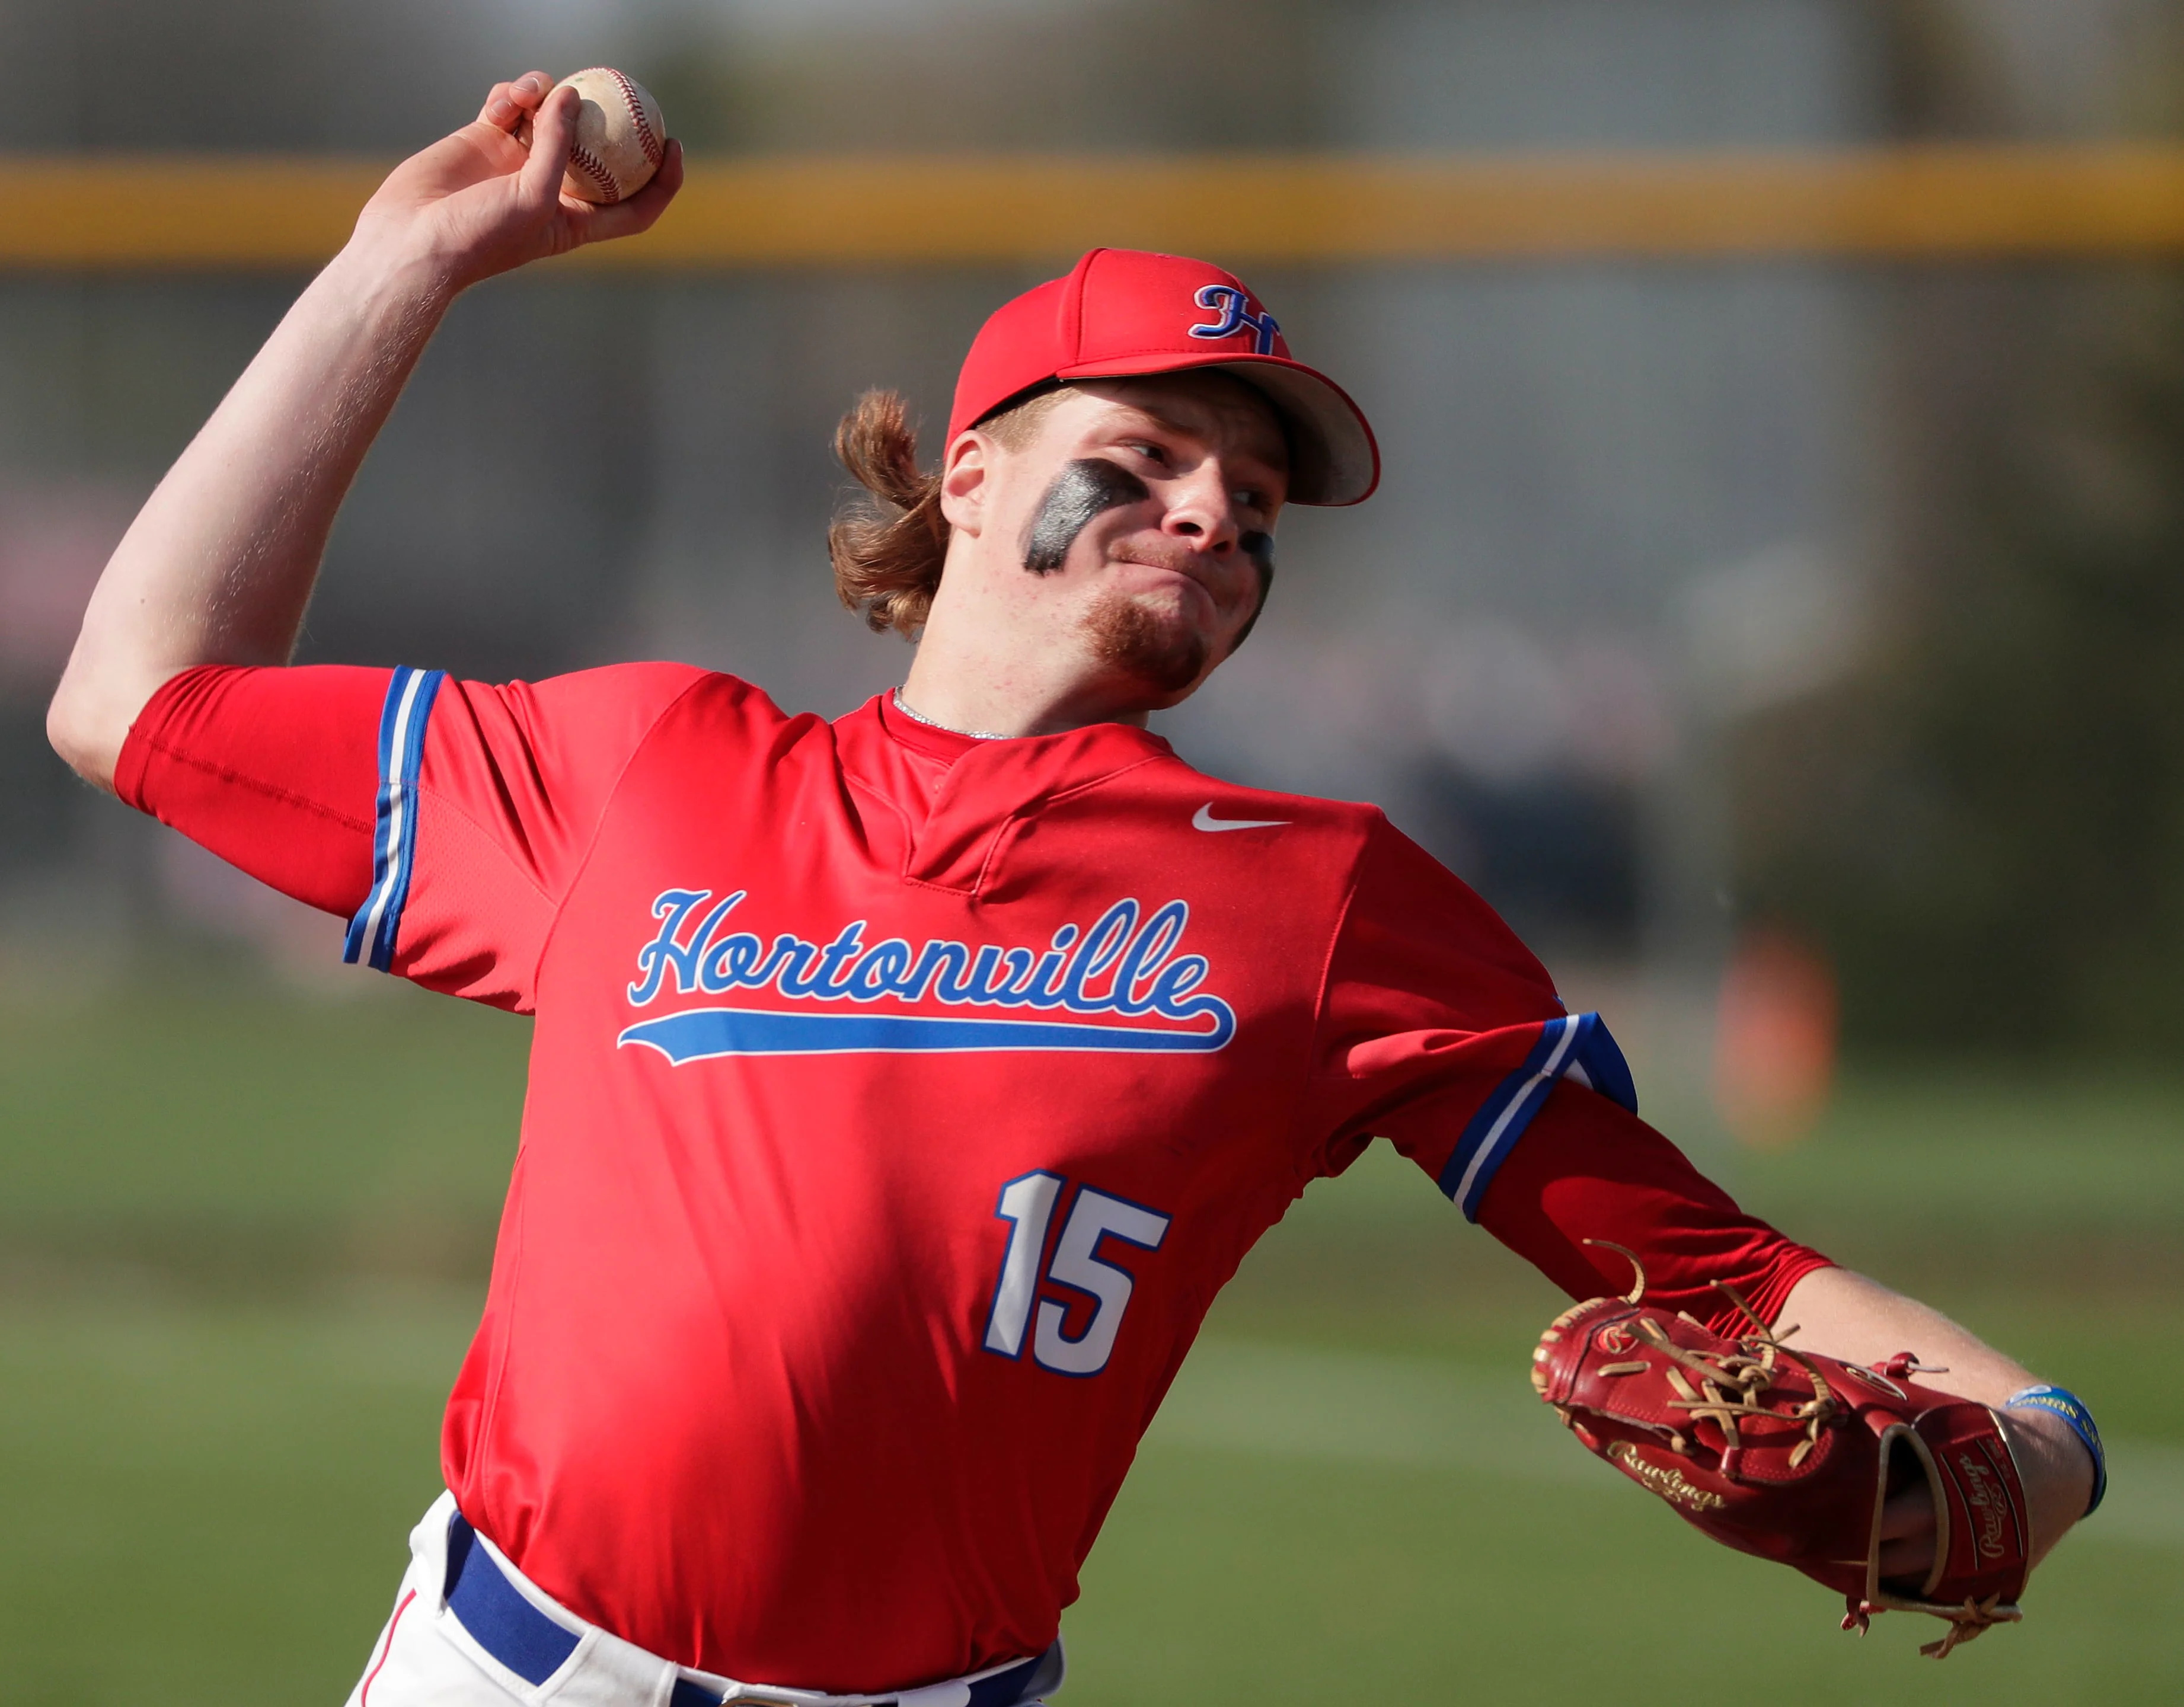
x,y
903,706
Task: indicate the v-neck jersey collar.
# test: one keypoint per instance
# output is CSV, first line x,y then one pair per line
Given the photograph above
x,y
1099,747
956,822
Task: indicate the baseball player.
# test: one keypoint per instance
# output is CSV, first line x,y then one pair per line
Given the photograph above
x,y
903,1087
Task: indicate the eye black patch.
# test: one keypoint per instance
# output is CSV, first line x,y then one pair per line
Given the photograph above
x,y
1259,547
1081,490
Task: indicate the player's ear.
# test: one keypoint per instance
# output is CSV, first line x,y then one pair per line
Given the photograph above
x,y
965,480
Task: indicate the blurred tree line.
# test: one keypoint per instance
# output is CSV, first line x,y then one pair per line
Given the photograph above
x,y
1984,824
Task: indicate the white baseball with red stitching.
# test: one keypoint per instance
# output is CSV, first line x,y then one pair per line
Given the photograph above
x,y
620,137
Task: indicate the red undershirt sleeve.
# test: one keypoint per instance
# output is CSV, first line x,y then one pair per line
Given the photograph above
x,y
274,771
1590,1170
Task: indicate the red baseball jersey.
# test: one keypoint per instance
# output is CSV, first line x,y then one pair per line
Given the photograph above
x,y
899,1102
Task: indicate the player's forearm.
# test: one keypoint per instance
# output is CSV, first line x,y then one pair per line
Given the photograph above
x,y
219,565
1860,1320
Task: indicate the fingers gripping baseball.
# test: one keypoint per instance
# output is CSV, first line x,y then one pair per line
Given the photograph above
x,y
489,198
546,161
509,103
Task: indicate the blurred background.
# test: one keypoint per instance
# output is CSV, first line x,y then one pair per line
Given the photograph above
x,y
1790,642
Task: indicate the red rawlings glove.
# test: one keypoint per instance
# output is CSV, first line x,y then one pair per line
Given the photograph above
x,y
1790,1455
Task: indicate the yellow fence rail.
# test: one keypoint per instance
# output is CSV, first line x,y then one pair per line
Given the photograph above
x,y
117,213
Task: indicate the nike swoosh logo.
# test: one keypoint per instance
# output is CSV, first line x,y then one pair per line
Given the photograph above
x,y
1203,819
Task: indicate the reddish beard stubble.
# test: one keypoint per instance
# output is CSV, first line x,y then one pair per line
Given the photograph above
x,y
1162,652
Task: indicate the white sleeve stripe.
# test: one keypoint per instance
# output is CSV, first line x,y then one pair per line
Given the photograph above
x,y
372,932
1571,1046
1491,1144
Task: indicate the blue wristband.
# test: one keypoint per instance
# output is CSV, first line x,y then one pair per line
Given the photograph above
x,y
2071,1409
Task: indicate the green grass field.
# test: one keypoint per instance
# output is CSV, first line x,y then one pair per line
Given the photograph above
x,y
233,1293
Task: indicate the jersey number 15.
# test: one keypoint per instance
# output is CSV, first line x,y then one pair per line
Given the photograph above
x,y
1027,1205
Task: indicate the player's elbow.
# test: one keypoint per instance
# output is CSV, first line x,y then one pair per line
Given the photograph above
x,y
87,725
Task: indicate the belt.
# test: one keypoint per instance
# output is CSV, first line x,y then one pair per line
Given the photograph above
x,y
534,1646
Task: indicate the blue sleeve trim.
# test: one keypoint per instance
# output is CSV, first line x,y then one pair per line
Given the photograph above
x,y
372,932
1576,1046
1597,1063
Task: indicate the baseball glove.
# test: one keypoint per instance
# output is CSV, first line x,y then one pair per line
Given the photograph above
x,y
1792,1456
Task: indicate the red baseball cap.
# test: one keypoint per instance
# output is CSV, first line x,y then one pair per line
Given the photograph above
x,y
1126,311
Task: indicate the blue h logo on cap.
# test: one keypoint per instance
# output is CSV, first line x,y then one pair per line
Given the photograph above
x,y
1232,305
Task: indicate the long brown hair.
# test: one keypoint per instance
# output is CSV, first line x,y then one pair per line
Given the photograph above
x,y
888,552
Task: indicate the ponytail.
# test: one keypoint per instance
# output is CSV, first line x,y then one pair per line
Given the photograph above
x,y
887,553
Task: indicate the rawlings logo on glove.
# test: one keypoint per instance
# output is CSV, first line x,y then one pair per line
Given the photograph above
x,y
1792,1456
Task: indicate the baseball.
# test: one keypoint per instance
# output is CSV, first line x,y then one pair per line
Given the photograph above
x,y
619,135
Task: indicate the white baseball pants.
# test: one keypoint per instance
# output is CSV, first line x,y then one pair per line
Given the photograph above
x,y
425,1658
